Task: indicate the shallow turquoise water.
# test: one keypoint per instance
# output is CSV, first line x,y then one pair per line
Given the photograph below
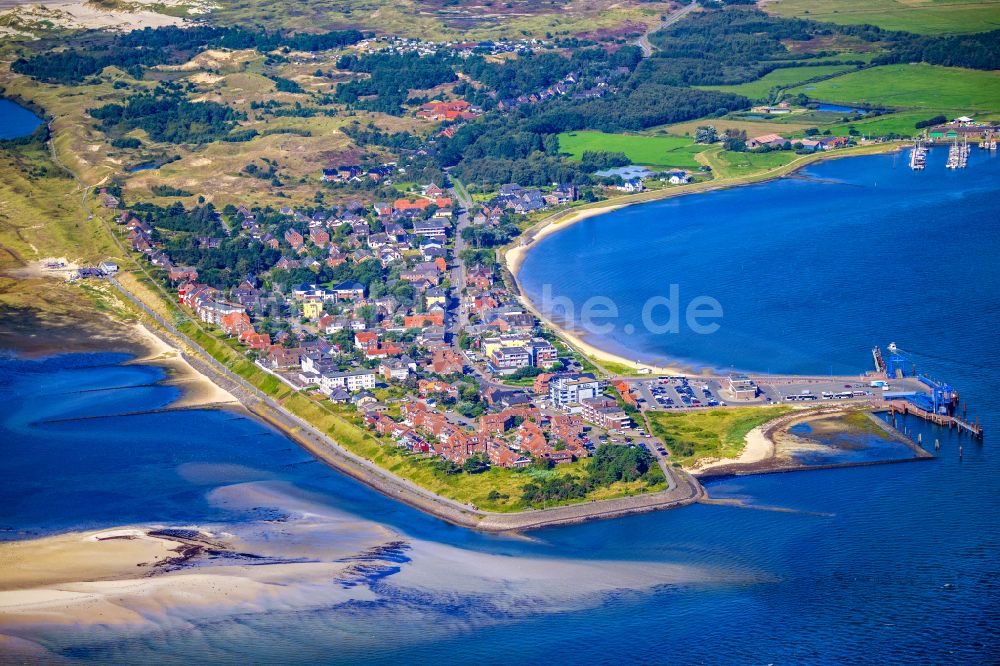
x,y
886,564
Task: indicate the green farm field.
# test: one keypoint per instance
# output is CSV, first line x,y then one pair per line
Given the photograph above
x,y
656,151
911,87
920,16
779,78
896,123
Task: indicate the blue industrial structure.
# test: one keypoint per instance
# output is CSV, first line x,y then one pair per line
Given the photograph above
x,y
899,366
943,399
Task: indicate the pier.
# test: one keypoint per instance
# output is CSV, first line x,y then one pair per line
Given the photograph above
x,y
958,154
944,420
918,157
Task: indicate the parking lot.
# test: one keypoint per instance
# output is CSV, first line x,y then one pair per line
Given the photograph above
x,y
681,393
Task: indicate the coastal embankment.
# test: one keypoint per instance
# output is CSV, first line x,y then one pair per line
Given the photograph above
x,y
685,490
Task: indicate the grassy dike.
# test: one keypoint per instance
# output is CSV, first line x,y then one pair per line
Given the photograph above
x,y
345,428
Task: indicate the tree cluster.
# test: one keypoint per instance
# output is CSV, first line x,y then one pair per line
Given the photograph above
x,y
166,45
391,78
167,116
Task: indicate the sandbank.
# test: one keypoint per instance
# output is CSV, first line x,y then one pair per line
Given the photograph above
x,y
198,389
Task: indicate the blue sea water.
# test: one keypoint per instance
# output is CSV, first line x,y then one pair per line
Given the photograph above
x,y
885,564
810,272
15,120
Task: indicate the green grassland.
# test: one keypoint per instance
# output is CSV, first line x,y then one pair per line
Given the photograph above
x,y
726,164
911,87
779,78
42,216
920,16
778,125
655,151
716,433
895,123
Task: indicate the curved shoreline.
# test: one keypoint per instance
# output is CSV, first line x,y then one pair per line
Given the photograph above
x,y
512,256
322,447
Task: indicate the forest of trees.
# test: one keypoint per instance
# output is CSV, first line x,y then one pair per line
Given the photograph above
x,y
522,146
611,463
167,45
977,51
533,72
734,46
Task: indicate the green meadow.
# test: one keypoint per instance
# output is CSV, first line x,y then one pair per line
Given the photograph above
x,y
911,87
727,164
896,123
655,151
779,78
921,16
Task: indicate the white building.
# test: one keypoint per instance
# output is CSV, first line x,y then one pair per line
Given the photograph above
x,y
568,389
352,381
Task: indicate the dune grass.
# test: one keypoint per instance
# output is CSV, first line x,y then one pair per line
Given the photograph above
x,y
751,127
715,433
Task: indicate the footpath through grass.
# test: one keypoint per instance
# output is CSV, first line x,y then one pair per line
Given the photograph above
x,y
715,433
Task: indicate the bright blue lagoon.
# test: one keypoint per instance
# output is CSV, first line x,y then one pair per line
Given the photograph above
x,y
886,564
15,120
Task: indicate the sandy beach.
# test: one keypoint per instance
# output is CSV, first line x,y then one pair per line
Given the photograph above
x,y
759,447
198,390
79,14
514,258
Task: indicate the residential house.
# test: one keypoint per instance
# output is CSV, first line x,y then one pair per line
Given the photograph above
x,y
771,140
508,359
446,362
349,291
295,239
604,412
